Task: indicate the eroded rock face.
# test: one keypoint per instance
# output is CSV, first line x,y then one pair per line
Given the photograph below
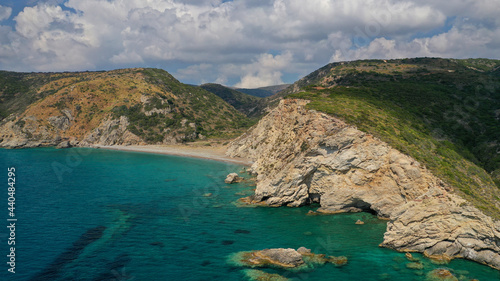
x,y
26,133
112,132
60,122
303,156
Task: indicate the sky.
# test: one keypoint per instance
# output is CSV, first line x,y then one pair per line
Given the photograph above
x,y
242,43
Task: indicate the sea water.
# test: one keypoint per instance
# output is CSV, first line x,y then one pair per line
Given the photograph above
x,y
91,214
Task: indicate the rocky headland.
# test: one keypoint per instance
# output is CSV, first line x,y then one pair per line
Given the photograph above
x,y
303,156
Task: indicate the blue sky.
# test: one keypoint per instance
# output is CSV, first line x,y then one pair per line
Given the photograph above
x,y
245,43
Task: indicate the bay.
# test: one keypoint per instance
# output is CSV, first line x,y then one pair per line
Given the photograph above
x,y
90,214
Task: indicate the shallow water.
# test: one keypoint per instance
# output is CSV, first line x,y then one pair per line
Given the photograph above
x,y
86,214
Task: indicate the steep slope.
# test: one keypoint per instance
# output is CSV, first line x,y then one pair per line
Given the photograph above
x,y
18,90
128,106
303,156
444,113
251,106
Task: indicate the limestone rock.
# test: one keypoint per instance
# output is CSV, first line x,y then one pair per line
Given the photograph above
x,y
279,258
233,178
112,132
302,156
303,250
289,257
300,259
60,122
17,132
64,144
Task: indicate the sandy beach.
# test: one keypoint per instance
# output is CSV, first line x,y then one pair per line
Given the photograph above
x,y
205,152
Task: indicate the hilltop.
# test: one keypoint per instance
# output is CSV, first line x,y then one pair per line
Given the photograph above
x,y
127,106
445,113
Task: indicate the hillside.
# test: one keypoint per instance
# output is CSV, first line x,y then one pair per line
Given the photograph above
x,y
263,92
443,112
251,106
128,106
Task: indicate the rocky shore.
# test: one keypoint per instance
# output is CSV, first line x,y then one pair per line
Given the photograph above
x,y
303,156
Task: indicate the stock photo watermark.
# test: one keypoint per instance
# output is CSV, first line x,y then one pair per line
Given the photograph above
x,y
11,221
73,159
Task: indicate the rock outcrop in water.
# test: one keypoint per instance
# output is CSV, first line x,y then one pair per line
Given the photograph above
x,y
280,258
303,156
232,178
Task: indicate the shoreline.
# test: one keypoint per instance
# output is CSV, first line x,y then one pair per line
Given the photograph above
x,y
204,152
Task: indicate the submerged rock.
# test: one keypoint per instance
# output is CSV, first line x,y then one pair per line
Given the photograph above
x,y
441,274
157,243
438,259
411,258
312,213
338,261
232,178
259,275
415,265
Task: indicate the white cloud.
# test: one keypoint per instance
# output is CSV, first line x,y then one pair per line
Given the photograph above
x,y
459,42
233,41
5,12
197,71
266,71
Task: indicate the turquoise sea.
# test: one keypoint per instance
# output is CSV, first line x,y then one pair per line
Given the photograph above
x,y
90,214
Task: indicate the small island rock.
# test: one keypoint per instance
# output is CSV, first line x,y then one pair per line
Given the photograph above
x,y
232,178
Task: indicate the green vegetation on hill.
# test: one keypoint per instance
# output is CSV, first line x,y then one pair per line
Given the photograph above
x,y
444,113
251,106
155,103
263,92
192,112
18,90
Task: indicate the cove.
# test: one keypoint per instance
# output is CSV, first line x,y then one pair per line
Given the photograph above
x,y
114,215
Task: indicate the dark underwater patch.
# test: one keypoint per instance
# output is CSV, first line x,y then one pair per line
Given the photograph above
x,y
52,271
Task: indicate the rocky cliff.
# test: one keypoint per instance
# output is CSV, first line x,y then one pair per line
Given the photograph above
x,y
303,156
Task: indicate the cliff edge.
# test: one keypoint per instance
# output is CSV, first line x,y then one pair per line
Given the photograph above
x,y
304,156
